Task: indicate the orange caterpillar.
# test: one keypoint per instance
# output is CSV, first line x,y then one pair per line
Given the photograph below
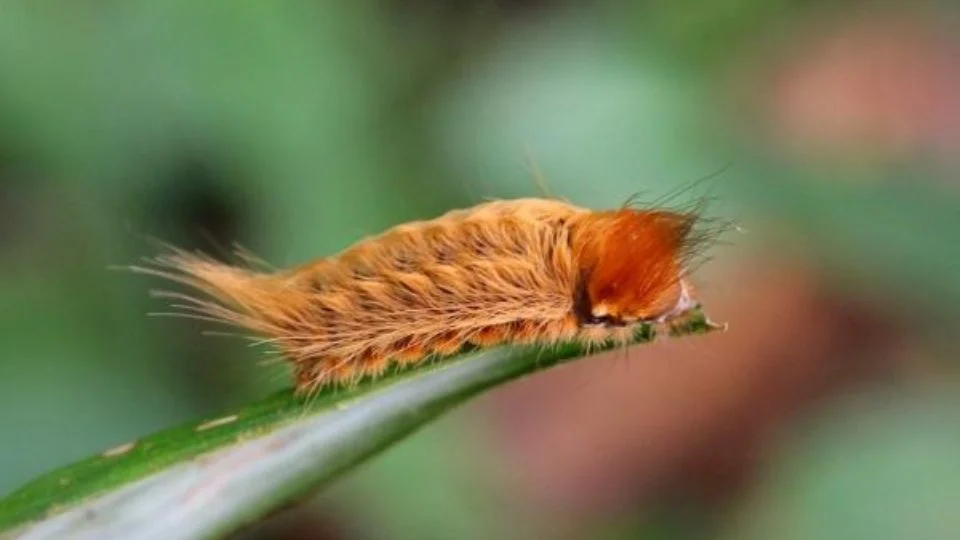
x,y
519,271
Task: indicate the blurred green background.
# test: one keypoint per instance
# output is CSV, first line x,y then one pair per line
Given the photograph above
x,y
829,410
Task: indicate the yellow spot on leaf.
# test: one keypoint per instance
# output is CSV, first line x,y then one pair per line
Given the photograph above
x,y
119,450
216,423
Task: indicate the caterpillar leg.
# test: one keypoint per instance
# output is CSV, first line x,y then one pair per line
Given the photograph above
x,y
373,364
315,374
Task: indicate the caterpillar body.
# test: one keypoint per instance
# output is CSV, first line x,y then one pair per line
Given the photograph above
x,y
517,271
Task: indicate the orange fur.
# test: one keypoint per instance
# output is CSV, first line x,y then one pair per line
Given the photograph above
x,y
631,263
522,271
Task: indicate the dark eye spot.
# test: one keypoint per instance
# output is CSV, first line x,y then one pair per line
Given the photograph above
x,y
582,307
606,321
584,311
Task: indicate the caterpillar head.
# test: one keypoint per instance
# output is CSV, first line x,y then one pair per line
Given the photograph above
x,y
633,265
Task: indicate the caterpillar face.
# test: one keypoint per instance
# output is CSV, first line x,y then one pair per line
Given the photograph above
x,y
673,303
632,268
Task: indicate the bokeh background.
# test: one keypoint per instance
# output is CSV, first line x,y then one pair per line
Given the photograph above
x,y
830,132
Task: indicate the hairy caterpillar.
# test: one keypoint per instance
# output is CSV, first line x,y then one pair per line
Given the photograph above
x,y
518,271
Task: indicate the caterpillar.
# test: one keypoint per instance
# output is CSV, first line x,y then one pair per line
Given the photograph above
x,y
506,271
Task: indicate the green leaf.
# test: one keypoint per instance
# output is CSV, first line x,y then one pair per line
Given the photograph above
x,y
268,454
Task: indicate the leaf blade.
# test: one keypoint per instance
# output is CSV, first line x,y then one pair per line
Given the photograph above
x,y
210,478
